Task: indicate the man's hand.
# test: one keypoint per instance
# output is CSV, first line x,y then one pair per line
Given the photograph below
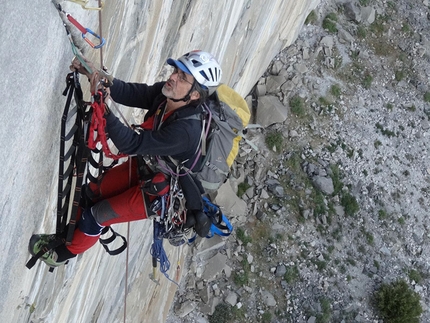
x,y
95,76
77,65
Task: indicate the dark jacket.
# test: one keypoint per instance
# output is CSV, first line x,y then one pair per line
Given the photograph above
x,y
177,137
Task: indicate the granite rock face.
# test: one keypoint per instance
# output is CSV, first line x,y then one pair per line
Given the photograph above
x,y
140,36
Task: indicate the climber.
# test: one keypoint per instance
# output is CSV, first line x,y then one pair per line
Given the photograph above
x,y
166,132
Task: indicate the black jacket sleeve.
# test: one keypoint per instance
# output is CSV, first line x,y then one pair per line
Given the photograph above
x,y
174,139
136,95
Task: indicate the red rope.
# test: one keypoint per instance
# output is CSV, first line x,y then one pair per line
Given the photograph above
x,y
97,132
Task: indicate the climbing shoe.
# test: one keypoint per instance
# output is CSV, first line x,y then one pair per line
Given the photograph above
x,y
40,241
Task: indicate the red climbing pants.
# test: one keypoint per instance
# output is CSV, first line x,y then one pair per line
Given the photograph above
x,y
119,199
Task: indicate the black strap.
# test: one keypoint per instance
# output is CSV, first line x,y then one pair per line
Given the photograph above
x,y
109,240
81,155
63,190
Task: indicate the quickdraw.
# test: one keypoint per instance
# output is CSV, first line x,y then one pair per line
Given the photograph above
x,y
82,29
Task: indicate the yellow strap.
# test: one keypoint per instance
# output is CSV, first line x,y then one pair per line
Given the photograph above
x,y
83,4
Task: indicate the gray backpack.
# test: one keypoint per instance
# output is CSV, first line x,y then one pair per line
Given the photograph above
x,y
226,117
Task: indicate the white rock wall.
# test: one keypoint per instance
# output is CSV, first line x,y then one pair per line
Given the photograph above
x,y
35,55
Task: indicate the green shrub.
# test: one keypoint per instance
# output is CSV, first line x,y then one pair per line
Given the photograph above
x,y
378,26
415,275
222,314
321,265
241,277
297,105
364,3
369,238
361,32
329,23
392,5
325,316
274,140
382,214
406,28
399,75
311,18
367,81
324,101
336,178
242,188
266,317
335,90
292,274
397,303
427,97
385,132
351,261
349,204
240,233
319,205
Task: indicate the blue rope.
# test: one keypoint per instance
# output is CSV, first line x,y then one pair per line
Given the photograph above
x,y
158,252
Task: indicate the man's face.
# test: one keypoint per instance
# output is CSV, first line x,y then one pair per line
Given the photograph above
x,y
178,84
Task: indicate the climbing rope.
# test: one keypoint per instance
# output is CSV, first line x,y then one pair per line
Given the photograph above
x,y
158,252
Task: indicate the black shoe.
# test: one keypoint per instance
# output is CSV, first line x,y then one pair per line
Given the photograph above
x,y
191,220
203,223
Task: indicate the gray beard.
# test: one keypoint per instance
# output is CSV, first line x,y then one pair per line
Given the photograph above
x,y
166,92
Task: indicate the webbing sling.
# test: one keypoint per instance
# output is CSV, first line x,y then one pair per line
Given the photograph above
x,y
107,241
72,161
81,156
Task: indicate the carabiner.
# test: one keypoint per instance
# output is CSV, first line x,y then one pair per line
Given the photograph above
x,y
102,40
84,30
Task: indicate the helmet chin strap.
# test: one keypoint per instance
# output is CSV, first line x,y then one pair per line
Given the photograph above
x,y
187,96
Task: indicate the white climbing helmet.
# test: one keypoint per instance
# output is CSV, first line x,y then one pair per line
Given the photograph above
x,y
202,65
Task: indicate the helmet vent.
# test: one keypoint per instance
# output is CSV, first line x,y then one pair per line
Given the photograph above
x,y
212,74
196,63
204,75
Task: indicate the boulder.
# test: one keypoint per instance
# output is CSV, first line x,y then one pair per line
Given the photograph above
x,y
324,184
231,203
270,110
214,266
